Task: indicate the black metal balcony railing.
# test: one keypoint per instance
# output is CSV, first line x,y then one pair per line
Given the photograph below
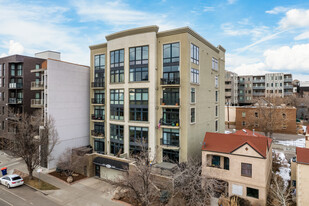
x,y
97,84
97,101
15,85
97,133
15,101
171,122
170,142
97,117
171,101
169,81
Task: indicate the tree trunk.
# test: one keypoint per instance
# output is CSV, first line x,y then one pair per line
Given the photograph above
x,y
30,170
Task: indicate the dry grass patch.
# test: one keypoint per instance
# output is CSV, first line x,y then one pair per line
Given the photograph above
x,y
39,184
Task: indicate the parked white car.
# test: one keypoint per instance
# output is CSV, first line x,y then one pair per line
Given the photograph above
x,y
11,180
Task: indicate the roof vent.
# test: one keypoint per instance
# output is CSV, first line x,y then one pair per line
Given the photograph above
x,y
244,131
253,132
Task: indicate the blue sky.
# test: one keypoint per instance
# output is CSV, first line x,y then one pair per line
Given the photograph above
x,y
259,36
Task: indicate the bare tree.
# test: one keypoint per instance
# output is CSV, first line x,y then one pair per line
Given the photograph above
x,y
33,139
70,162
279,194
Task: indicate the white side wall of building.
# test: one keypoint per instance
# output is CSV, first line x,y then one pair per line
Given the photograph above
x,y
67,96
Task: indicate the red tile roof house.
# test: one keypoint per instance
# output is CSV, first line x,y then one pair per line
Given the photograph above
x,y
302,176
243,160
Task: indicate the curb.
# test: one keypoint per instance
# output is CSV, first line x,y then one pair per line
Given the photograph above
x,y
41,191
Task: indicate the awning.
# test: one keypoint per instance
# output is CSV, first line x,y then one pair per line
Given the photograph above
x,y
111,163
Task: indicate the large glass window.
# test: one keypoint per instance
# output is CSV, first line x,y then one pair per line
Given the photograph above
x,y
171,64
98,129
214,63
117,66
12,70
99,113
170,137
0,70
170,117
215,161
195,76
99,97
116,139
138,139
116,104
246,169
170,156
99,70
139,104
251,192
194,54
19,70
139,55
170,96
138,74
99,145
171,53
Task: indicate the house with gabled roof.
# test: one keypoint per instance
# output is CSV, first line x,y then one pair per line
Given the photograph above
x,y
243,160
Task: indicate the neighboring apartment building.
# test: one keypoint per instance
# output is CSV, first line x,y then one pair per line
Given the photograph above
x,y
304,89
252,87
255,117
15,93
164,88
243,160
231,88
61,90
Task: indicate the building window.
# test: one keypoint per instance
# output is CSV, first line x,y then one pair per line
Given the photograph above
x,y
171,64
170,137
226,163
170,156
243,114
138,139
216,82
117,66
195,76
116,104
243,123
99,145
216,126
251,192
170,96
12,70
139,104
192,115
171,53
256,114
192,95
99,97
19,70
139,64
170,117
216,96
98,129
283,115
214,63
246,169
0,70
99,69
116,139
194,54
216,111
215,161
99,113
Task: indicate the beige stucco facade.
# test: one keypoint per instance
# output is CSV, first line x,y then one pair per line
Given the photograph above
x,y
238,184
302,184
190,134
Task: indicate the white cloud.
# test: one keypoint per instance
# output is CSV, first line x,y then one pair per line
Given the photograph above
x,y
295,18
208,8
288,58
302,36
251,69
15,48
277,10
117,14
231,1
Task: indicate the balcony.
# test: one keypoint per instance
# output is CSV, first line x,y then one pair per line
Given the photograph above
x,y
97,133
287,79
97,101
288,86
228,94
97,117
97,84
170,122
37,85
169,142
170,81
37,103
15,100
228,86
172,101
258,87
258,94
15,85
288,93
258,80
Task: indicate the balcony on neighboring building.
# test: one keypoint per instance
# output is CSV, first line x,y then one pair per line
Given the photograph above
x,y
258,87
15,85
170,101
288,93
170,117
97,84
37,103
15,100
98,100
37,85
288,86
97,116
287,79
170,122
228,94
170,81
97,133
258,80
228,86
258,93
169,142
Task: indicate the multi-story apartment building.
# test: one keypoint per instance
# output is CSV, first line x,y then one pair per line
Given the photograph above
x,y
15,93
159,89
242,160
61,90
231,88
252,87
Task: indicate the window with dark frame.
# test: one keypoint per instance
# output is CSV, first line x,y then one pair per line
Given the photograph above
x,y
195,76
117,66
171,96
139,64
216,125
192,95
251,192
170,156
138,104
170,117
138,139
192,115
170,137
99,70
116,139
194,54
215,161
246,169
226,163
116,104
171,54
99,145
